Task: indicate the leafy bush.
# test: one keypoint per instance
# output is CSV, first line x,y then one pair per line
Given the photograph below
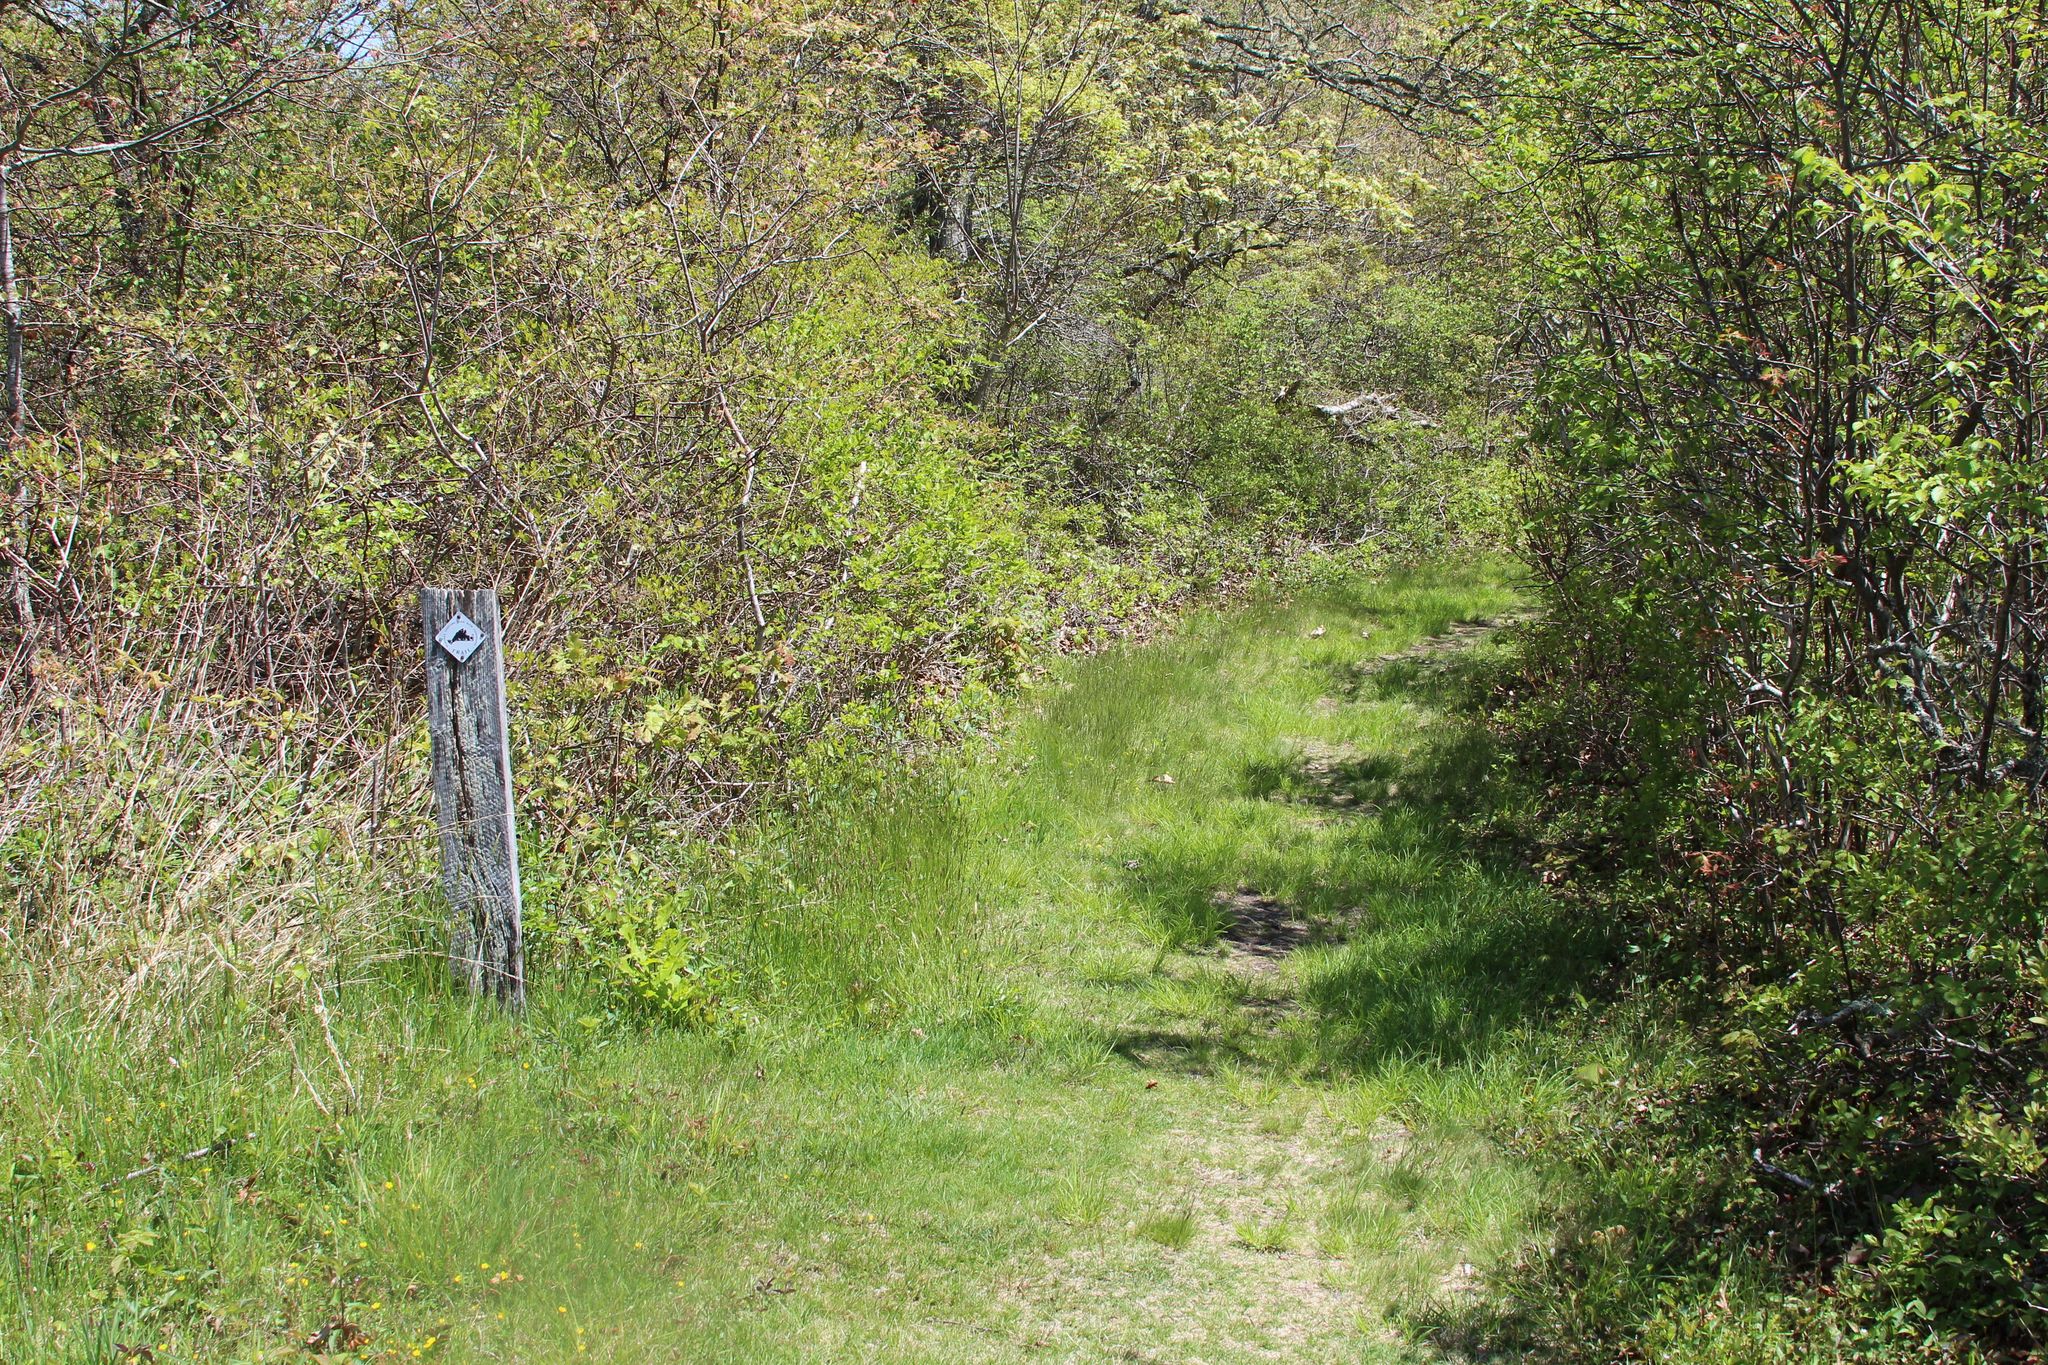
x,y
662,967
1786,496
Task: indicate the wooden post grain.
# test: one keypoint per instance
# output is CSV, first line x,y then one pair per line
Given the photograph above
x,y
473,790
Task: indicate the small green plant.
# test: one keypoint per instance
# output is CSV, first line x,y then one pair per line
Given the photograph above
x,y
661,968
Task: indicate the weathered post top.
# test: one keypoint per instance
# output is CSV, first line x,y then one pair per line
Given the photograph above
x,y
473,789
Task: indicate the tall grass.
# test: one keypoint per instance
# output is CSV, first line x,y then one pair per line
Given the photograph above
x,y
160,844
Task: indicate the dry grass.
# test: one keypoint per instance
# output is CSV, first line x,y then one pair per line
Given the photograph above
x,y
159,846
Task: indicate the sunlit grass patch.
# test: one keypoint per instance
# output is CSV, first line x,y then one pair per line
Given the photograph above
x,y
1274,1235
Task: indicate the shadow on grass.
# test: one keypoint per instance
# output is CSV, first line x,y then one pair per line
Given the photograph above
x,y
1180,897
1190,1051
1446,945
1320,778
1448,965
1440,671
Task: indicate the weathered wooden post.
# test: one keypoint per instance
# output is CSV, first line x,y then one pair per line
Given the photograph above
x,y
473,789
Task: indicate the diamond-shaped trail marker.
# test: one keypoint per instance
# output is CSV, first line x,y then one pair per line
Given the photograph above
x,y
461,637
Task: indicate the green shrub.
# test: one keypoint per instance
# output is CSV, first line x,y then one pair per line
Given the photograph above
x,y
662,968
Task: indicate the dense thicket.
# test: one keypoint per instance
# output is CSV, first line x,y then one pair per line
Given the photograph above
x,y
798,373
1789,295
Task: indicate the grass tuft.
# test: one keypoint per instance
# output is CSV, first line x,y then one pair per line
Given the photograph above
x,y
1173,1230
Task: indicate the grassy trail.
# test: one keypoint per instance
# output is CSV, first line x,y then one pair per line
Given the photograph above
x,y
1051,1058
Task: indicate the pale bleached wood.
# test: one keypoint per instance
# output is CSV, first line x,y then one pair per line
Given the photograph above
x,y
473,793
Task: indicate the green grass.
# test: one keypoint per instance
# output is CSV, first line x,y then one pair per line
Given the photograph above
x,y
987,1088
